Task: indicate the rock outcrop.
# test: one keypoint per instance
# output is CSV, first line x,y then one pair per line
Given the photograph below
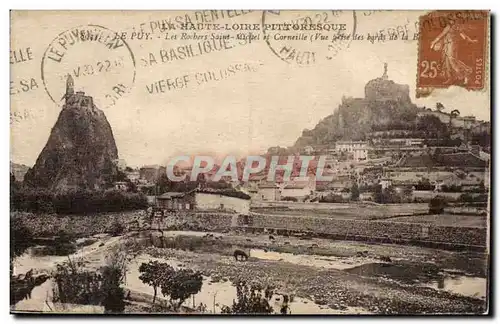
x,y
385,103
80,151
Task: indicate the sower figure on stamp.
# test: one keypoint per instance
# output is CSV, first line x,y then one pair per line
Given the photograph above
x,y
447,42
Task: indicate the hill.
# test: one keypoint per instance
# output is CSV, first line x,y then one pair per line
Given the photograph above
x,y
385,104
80,151
19,170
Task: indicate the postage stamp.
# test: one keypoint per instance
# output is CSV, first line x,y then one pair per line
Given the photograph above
x,y
452,50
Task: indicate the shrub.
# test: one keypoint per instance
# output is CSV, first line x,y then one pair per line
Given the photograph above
x,y
75,285
75,202
250,300
437,205
289,199
21,237
117,228
331,198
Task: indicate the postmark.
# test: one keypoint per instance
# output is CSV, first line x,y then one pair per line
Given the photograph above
x,y
99,61
452,50
307,37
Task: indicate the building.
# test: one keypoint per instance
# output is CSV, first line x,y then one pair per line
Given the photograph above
x,y
151,173
206,200
385,183
133,176
268,192
120,185
299,189
78,98
359,149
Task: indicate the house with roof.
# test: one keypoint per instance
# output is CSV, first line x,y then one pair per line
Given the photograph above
x,y
225,200
268,192
299,189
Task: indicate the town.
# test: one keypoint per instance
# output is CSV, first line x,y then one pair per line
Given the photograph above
x,y
381,208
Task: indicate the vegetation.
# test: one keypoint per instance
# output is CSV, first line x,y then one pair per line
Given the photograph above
x,y
437,205
21,238
250,300
179,285
355,192
117,228
75,202
331,198
75,285
289,199
154,274
182,284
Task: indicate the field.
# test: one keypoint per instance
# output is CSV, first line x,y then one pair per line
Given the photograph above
x,y
344,211
445,220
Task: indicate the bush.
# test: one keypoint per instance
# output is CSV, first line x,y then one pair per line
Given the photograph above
x,y
75,202
250,300
21,237
117,228
289,199
451,188
468,198
331,198
74,285
437,205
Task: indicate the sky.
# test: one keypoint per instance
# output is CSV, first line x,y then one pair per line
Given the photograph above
x,y
258,100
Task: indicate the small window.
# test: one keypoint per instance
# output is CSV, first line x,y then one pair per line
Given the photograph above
x,y
187,206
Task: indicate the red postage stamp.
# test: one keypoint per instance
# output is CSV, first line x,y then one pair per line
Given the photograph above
x,y
452,50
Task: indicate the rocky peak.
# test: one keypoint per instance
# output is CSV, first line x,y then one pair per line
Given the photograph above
x,y
80,151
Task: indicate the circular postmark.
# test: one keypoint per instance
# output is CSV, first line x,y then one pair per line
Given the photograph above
x,y
307,37
93,61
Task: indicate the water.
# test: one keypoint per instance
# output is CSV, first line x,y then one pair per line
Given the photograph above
x,y
462,285
327,262
425,275
215,295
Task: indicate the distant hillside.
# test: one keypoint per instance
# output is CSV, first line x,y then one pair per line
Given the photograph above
x,y
19,170
386,103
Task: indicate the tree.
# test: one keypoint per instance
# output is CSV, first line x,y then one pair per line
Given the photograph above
x,y
355,192
114,295
21,238
251,300
181,285
155,274
437,205
439,106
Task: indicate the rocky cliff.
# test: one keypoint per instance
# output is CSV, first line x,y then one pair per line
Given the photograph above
x,y
79,153
385,104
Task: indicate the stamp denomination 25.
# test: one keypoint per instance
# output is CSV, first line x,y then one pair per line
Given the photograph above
x,y
452,49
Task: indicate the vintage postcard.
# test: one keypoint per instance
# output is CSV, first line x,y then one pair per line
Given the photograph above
x,y
250,162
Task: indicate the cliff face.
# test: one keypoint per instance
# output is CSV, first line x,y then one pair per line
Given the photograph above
x,y
79,152
385,103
